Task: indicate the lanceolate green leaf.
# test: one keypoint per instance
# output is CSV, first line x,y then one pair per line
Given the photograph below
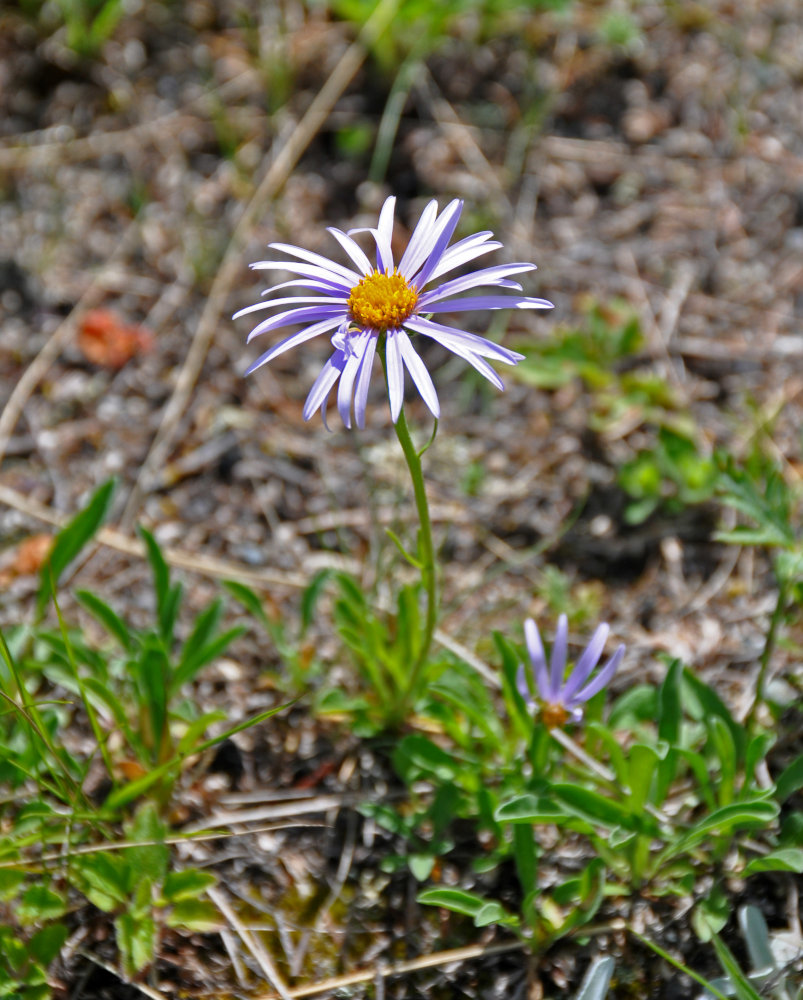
x,y
72,538
721,822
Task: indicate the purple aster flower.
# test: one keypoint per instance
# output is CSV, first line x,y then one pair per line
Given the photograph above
x,y
560,698
358,304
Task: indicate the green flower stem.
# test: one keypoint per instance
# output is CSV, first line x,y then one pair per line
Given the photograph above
x,y
769,647
425,555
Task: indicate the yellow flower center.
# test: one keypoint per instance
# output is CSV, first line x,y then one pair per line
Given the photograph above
x,y
554,716
382,301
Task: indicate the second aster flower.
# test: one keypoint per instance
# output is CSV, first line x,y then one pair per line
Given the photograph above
x,y
561,698
358,304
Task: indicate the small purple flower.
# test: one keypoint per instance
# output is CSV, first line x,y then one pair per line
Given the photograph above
x,y
358,304
561,699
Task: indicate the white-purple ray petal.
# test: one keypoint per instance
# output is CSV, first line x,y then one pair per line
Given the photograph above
x,y
395,374
384,253
489,302
307,284
353,250
418,373
560,650
442,233
346,387
448,335
462,253
420,241
318,261
535,650
587,662
293,341
363,381
336,283
476,362
476,279
384,237
297,299
603,678
322,385
291,316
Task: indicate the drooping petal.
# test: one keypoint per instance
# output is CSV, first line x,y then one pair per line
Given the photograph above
x,y
322,385
603,678
476,279
319,261
345,389
293,341
535,650
291,316
363,381
352,249
587,661
490,302
395,374
557,662
441,234
418,372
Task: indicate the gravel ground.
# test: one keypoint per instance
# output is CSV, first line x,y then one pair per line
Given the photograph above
x,y
666,171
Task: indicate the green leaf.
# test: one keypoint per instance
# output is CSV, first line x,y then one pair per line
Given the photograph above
x,y
251,601
10,883
108,618
168,598
711,914
150,859
122,796
595,808
525,856
597,979
190,666
469,904
418,752
756,752
709,705
39,903
196,730
311,595
643,760
790,780
670,714
613,751
203,630
104,878
421,865
638,705
187,884
48,942
725,750
748,815
530,809
136,939
196,915
785,859
741,984
72,538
